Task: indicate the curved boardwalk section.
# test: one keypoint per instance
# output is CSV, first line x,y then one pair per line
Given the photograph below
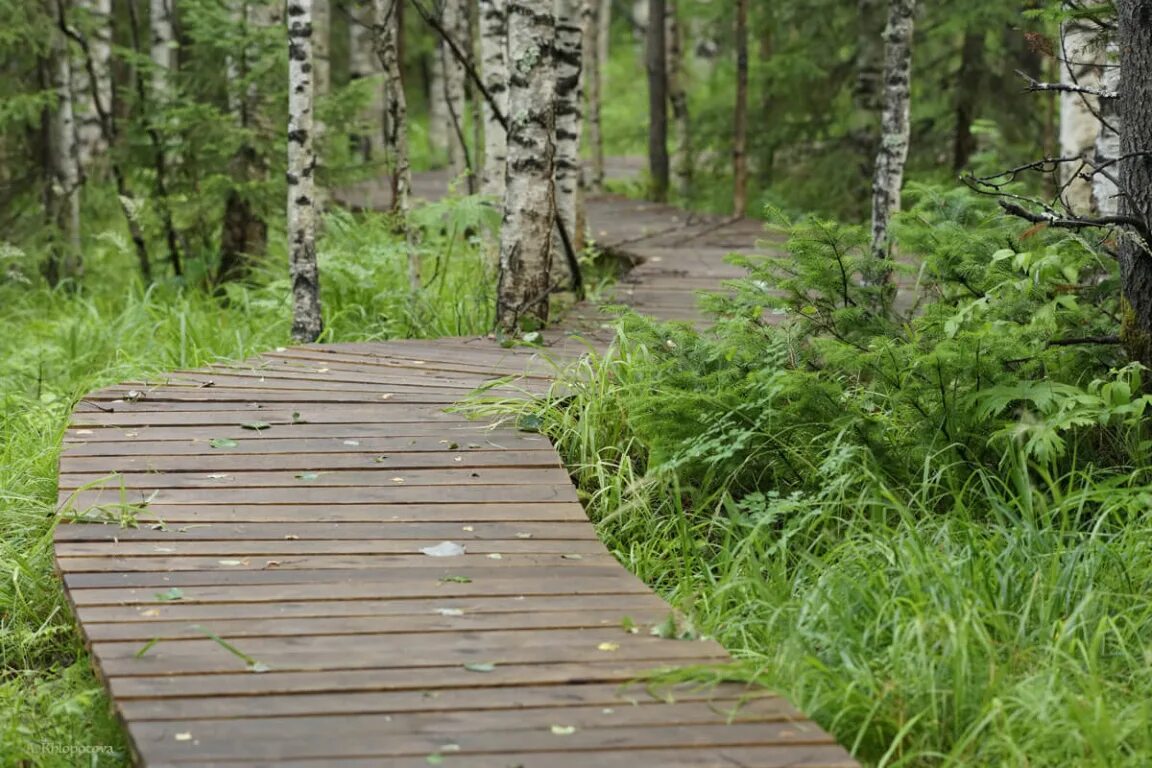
x,y
256,565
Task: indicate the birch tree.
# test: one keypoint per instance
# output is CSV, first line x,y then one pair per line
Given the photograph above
x,y
455,22
740,117
1079,67
363,64
529,202
867,93
657,66
90,135
386,34
494,67
307,322
596,16
64,193
895,131
678,100
569,53
1107,150
163,47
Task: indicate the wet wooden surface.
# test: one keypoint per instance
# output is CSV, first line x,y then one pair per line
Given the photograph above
x,y
246,559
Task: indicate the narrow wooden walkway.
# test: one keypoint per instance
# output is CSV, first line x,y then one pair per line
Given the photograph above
x,y
275,602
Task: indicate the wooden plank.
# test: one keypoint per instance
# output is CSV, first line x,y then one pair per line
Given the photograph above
x,y
320,476
382,413
448,700
176,550
390,679
461,430
278,448
175,516
215,462
468,625
394,527
396,609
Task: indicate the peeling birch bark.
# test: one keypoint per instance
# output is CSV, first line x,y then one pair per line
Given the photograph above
x,y
90,134
494,69
363,65
161,21
455,21
895,130
1080,62
569,44
529,202
1105,192
307,321
386,34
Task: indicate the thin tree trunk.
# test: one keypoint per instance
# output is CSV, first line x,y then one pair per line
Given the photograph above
x,y
148,104
363,64
321,86
740,117
569,123
64,261
110,130
1105,192
386,32
657,101
1079,65
678,99
493,41
867,91
1134,113
969,88
307,321
438,118
529,197
243,233
895,130
595,59
163,47
455,20
90,137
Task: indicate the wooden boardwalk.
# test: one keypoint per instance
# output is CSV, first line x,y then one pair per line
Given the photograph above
x,y
272,602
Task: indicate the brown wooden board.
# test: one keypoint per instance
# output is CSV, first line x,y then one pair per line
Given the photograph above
x,y
277,510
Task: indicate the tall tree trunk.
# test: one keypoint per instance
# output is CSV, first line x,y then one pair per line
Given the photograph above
x,y
740,118
595,59
1079,65
657,51
64,261
438,118
307,321
243,233
867,90
969,87
493,61
387,35
363,64
529,197
149,103
1134,111
569,124
321,85
90,136
455,22
895,130
1105,192
161,21
678,98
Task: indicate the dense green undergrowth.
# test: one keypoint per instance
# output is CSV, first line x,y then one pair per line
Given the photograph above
x,y
59,344
931,529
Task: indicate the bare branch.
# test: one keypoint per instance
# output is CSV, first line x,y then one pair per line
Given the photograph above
x,y
1077,223
1035,85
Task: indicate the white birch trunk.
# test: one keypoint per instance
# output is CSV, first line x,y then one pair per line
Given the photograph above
x,y
595,58
90,133
386,35
678,101
493,61
895,130
1079,65
1105,192
65,165
455,21
569,43
163,48
529,202
437,107
307,322
362,65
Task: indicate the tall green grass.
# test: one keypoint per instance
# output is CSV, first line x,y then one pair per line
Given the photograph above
x,y
59,344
